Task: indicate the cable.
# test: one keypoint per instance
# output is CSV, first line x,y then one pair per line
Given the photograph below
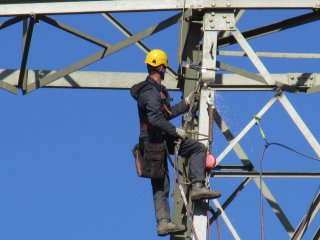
x,y
295,151
266,146
261,193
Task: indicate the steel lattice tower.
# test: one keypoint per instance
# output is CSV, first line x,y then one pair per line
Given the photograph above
x,y
206,27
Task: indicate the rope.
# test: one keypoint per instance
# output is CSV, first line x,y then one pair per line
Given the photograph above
x,y
189,213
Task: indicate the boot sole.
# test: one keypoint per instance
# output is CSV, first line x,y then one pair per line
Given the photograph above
x,y
205,197
161,234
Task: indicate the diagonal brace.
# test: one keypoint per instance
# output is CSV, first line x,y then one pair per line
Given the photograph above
x,y
300,123
272,28
127,33
12,21
265,190
306,221
104,53
73,31
234,141
26,49
241,72
252,55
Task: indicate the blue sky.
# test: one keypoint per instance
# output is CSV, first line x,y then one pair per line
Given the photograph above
x,y
66,169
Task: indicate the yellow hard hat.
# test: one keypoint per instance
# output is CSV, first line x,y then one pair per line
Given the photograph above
x,y
157,57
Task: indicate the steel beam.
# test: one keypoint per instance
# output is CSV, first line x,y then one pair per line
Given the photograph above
x,y
124,80
127,33
313,89
8,87
271,54
308,218
26,48
190,53
272,28
241,72
266,174
300,123
237,15
57,7
252,55
12,21
104,53
236,140
73,31
245,160
226,219
317,235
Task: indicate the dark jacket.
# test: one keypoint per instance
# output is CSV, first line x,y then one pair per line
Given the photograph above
x,y
154,110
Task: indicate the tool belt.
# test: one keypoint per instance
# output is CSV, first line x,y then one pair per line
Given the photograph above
x,y
149,159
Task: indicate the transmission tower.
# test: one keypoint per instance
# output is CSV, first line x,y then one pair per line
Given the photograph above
x,y
206,27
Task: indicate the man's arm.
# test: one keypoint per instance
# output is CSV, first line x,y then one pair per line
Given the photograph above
x,y
179,109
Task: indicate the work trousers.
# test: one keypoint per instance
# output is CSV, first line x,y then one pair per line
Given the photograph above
x,y
195,153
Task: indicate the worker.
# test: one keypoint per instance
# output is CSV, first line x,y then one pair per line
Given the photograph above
x,y
157,137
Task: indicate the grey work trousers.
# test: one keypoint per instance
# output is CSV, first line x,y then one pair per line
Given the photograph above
x,y
195,153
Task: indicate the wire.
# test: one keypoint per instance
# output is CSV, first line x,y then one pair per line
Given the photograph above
x,y
267,145
293,150
261,193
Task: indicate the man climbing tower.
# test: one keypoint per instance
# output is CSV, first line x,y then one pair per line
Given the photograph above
x,y
157,136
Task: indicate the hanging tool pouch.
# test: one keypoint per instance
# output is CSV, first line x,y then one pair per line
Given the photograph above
x,y
149,160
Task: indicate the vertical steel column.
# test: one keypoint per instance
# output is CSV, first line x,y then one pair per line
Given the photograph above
x,y
209,51
190,51
213,22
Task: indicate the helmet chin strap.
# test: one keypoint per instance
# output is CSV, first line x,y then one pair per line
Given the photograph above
x,y
161,73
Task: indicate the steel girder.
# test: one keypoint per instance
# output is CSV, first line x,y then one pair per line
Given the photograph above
x,y
58,7
69,77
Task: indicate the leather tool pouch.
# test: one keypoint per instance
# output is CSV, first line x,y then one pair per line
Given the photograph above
x,y
150,161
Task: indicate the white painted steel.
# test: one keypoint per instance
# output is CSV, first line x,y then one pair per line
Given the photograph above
x,y
245,130
226,219
142,5
252,55
300,123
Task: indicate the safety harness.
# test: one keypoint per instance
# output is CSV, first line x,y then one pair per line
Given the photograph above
x,y
165,104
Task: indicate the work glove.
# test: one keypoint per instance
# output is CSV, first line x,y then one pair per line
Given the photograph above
x,y
181,133
192,95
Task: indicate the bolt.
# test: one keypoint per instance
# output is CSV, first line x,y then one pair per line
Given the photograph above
x,y
311,78
212,25
224,16
292,77
213,13
213,4
210,19
228,4
231,26
228,21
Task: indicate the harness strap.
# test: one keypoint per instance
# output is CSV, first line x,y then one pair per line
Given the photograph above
x,y
144,123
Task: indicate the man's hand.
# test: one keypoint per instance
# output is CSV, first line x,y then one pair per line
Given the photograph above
x,y
192,95
181,133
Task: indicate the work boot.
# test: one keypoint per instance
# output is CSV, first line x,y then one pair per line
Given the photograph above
x,y
165,227
199,191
